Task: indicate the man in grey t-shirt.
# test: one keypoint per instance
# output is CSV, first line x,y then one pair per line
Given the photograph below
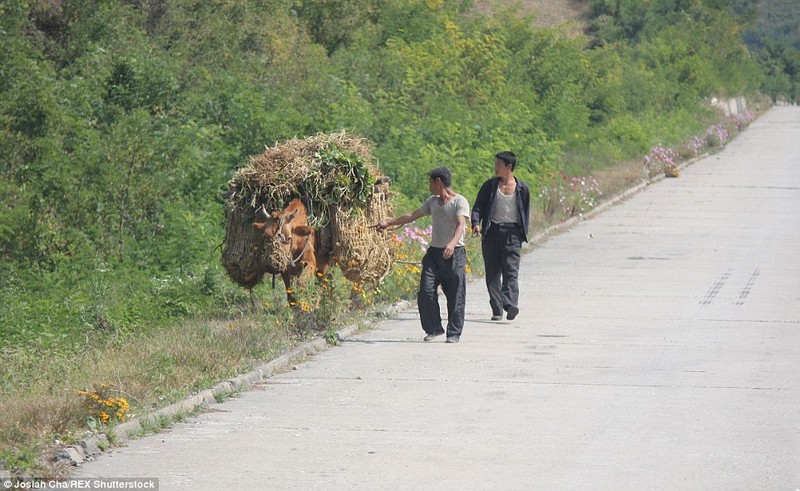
x,y
445,260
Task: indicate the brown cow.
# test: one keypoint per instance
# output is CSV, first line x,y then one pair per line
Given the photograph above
x,y
292,246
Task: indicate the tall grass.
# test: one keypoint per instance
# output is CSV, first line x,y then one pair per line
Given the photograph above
x,y
40,403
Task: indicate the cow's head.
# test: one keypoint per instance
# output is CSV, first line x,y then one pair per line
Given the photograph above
x,y
286,237
291,245
281,223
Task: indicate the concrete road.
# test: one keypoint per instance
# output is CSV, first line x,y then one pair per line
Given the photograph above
x,y
658,347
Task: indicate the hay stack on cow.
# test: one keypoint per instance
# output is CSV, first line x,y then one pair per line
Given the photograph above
x,y
307,204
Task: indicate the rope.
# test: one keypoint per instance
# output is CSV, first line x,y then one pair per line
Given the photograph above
x,y
302,251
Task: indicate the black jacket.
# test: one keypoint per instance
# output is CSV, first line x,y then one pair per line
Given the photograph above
x,y
484,203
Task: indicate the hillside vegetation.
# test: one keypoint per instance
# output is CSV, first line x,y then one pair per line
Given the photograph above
x,y
121,122
776,20
773,34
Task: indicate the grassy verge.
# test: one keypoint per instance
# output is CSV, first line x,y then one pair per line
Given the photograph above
x,y
42,407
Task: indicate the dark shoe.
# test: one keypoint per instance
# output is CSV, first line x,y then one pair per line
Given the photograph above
x,y
497,317
452,339
431,337
512,312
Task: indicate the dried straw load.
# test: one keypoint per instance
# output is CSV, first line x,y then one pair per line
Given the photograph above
x,y
345,193
241,256
361,252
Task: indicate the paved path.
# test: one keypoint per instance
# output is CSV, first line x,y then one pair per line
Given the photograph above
x,y
658,347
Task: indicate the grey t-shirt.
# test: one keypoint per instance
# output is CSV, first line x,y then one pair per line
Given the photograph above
x,y
444,218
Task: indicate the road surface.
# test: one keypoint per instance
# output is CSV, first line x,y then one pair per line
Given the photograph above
x,y
658,347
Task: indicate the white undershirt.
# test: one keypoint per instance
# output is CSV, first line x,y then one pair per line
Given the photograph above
x,y
505,208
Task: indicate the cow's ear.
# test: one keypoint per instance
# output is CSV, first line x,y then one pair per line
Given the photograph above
x,y
259,226
302,230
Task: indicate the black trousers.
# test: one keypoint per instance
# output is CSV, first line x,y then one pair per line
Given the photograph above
x,y
451,275
501,257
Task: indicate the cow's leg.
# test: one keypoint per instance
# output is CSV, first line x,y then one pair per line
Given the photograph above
x,y
287,281
325,281
323,258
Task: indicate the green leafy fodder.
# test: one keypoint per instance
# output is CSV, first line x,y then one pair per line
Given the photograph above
x,y
327,170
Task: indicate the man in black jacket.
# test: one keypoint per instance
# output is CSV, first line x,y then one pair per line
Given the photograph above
x,y
500,215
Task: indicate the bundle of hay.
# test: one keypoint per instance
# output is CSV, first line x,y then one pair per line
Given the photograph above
x,y
242,255
361,252
335,176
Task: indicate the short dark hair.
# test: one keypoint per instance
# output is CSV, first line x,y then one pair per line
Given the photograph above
x,y
508,158
443,174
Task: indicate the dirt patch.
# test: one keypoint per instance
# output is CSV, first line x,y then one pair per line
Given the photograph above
x,y
546,13
618,178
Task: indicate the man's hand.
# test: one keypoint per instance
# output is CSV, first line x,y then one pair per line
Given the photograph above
x,y
448,251
476,231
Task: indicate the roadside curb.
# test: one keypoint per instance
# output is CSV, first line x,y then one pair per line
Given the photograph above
x,y
89,448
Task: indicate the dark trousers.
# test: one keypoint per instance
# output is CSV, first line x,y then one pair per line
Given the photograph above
x,y
501,247
451,275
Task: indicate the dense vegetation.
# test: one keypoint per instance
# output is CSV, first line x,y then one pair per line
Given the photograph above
x,y
774,35
122,120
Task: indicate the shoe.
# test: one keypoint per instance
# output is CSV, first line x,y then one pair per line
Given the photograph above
x,y
512,312
452,339
497,317
431,337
